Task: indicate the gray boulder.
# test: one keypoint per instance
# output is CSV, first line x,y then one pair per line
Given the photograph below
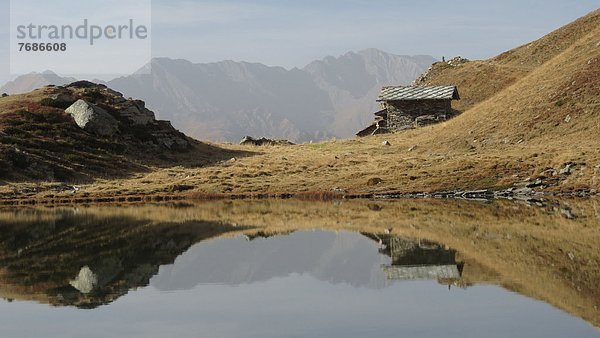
x,y
86,281
93,119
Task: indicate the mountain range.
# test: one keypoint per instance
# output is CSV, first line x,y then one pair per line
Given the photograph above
x,y
224,101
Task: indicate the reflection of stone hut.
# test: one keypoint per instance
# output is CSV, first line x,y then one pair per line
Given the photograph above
x,y
417,259
411,107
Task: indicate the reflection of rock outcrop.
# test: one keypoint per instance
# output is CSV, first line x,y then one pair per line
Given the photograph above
x,y
86,260
86,281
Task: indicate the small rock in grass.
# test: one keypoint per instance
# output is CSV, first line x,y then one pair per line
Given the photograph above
x,y
374,181
568,169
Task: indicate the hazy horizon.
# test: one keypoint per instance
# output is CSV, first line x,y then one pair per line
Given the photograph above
x,y
289,34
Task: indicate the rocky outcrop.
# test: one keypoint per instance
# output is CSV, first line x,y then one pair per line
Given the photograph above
x,y
93,119
85,130
424,78
248,140
104,112
136,112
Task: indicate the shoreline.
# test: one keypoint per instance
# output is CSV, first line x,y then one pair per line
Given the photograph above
x,y
473,195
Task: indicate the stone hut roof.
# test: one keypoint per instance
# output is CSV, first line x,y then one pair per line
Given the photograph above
x,y
402,93
394,272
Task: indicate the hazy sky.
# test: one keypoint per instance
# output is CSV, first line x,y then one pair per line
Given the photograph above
x,y
293,33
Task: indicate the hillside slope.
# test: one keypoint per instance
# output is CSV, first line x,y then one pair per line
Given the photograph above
x,y
40,141
538,134
479,80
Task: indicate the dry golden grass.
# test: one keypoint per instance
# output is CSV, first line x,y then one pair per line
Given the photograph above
x,y
542,112
482,79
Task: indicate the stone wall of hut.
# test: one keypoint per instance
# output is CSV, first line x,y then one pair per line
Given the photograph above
x,y
415,113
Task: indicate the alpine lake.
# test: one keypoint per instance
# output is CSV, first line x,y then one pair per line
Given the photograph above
x,y
291,268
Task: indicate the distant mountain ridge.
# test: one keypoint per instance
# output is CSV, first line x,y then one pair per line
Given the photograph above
x,y
32,81
224,101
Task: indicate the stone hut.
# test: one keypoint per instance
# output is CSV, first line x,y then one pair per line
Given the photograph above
x,y
412,107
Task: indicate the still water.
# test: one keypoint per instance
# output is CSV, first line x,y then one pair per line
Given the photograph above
x,y
300,269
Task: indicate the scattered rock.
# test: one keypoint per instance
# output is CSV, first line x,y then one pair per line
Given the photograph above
x,y
59,100
65,187
426,120
181,187
522,191
550,172
374,207
248,140
535,183
85,281
475,194
84,85
386,143
457,61
568,169
93,119
567,213
374,181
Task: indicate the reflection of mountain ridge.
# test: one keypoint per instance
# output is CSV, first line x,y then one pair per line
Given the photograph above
x,y
535,251
341,257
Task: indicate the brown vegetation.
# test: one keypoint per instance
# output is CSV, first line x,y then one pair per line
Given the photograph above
x,y
536,110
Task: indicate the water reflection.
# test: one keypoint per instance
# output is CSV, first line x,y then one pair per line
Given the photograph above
x,y
418,259
88,257
70,257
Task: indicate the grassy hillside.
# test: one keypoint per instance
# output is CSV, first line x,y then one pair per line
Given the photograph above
x,y
39,141
539,128
479,80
